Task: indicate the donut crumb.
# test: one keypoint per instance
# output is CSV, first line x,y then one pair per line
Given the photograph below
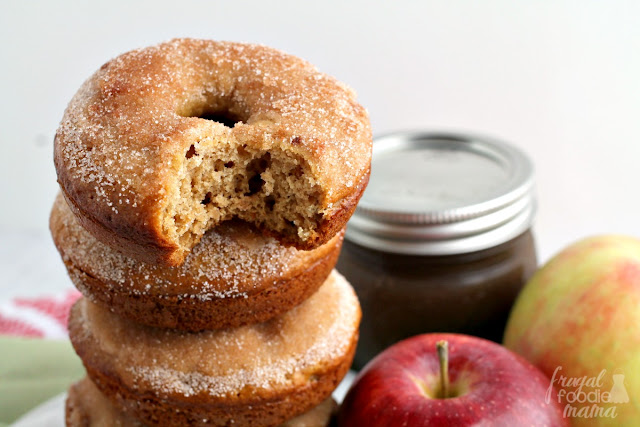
x,y
221,179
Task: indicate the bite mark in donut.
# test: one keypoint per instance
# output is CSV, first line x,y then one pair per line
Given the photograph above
x,y
165,142
222,178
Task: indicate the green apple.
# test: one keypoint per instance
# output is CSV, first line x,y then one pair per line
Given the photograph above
x,y
578,320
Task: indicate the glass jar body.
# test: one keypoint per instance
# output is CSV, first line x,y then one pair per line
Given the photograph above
x,y
406,295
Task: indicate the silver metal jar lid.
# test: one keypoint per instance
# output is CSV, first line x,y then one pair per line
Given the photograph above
x,y
442,194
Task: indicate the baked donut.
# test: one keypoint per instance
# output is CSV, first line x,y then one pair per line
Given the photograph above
x,y
258,375
234,276
163,143
87,407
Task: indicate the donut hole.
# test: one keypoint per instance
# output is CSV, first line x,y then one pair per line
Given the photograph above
x,y
212,107
223,117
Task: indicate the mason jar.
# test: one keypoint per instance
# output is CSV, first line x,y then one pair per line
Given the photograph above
x,y
441,240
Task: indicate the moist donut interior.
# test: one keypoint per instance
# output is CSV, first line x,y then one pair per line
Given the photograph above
x,y
221,179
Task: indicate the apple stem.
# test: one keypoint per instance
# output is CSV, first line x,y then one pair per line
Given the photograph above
x,y
442,347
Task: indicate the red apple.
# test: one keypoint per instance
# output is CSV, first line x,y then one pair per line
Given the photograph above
x,y
481,383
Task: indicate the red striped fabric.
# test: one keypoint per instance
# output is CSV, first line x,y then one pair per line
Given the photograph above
x,y
42,317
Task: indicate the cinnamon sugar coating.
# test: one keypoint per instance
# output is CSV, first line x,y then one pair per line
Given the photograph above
x,y
233,276
145,171
87,407
261,374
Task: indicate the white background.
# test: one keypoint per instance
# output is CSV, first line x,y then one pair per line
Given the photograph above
x,y
559,79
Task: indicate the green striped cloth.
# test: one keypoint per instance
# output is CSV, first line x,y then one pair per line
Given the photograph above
x,y
32,371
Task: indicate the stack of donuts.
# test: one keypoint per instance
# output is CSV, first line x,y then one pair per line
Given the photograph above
x,y
205,187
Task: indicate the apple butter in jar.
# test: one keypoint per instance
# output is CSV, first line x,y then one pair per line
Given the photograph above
x,y
441,240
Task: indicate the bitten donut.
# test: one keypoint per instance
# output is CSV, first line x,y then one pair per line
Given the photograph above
x,y
87,407
234,276
258,375
163,143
